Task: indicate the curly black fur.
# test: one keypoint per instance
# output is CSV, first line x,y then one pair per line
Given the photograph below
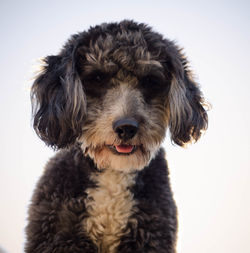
x,y
69,95
57,209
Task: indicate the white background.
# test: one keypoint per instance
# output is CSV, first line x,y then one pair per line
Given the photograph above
x,y
211,179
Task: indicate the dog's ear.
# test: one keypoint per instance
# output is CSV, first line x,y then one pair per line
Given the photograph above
x,y
187,113
58,101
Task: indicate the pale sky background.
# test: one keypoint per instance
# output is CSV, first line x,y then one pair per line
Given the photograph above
x,y
210,180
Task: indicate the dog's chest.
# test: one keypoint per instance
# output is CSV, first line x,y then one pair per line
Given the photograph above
x,y
109,206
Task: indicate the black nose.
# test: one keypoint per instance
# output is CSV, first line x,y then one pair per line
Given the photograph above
x,y
126,129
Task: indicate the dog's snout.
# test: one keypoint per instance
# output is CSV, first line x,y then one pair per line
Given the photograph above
x,y
126,129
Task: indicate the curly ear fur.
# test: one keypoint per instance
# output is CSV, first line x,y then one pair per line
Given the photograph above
x,y
58,101
188,118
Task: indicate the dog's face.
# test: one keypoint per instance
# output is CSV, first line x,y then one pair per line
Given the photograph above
x,y
116,89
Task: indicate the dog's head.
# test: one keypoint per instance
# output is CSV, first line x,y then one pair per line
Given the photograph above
x,y
116,89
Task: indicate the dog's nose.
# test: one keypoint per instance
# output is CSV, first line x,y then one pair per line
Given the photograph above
x,y
126,129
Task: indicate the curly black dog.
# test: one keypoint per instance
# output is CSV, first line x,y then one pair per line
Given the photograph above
x,y
106,101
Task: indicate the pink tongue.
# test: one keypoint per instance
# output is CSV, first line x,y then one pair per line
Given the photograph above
x,y
124,148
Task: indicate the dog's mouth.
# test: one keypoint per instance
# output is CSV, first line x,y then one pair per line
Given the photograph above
x,y
123,149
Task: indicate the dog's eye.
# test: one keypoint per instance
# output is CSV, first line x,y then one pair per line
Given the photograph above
x,y
96,83
96,77
152,86
151,81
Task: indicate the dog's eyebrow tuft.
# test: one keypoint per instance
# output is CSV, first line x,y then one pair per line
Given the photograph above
x,y
148,67
150,63
109,68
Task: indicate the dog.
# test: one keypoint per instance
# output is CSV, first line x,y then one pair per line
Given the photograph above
x,y
105,103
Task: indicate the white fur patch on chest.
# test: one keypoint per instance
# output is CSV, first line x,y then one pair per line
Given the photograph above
x,y
109,206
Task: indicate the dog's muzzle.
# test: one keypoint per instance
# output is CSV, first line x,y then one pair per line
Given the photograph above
x,y
126,128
